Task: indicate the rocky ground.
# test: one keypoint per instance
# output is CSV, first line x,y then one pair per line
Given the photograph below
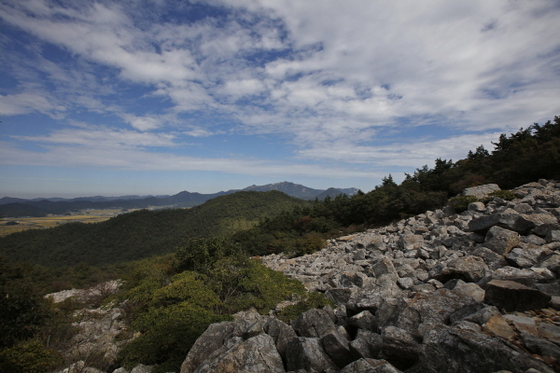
x,y
438,292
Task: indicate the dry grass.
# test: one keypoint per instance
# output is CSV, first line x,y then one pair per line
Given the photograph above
x,y
89,216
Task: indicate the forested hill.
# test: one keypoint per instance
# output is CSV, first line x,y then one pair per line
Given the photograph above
x,y
143,233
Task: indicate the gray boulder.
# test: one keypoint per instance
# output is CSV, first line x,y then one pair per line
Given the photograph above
x,y
314,323
366,344
399,347
211,340
308,354
481,191
336,346
501,240
256,354
370,366
281,333
466,351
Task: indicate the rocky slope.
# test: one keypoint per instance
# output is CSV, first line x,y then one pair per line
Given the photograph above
x,y
438,292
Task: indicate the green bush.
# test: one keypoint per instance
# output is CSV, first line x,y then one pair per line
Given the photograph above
x,y
508,195
168,334
460,203
312,300
29,357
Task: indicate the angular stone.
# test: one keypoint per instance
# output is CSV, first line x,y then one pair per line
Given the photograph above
x,y
464,351
553,235
431,309
411,241
468,268
471,289
478,313
399,347
313,323
540,346
523,324
336,346
522,258
405,282
384,266
366,344
370,366
339,295
522,275
545,229
549,331
498,326
211,340
281,333
552,263
513,296
256,354
308,354
509,219
501,240
476,207
481,191
492,259
364,320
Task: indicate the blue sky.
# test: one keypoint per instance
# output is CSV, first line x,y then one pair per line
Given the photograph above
x,y
156,97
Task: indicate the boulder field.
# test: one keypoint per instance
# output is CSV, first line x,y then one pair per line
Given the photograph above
x,y
438,292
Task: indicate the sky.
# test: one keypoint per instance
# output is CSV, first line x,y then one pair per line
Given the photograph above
x,y
156,97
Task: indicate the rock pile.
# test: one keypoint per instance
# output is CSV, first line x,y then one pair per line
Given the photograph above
x,y
438,292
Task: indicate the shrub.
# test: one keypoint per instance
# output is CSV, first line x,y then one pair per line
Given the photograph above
x,y
313,300
508,195
460,203
168,334
29,357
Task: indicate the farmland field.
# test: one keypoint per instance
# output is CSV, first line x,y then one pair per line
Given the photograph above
x,y
12,225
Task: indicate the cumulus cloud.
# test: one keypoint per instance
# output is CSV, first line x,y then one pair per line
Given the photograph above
x,y
341,81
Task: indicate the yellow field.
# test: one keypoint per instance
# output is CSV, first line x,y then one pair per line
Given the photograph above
x,y
88,216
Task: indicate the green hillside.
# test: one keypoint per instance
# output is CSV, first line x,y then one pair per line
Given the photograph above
x,y
143,234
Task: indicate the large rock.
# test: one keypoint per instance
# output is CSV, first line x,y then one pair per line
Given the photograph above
x,y
425,311
469,268
465,351
366,344
256,354
481,191
370,366
509,219
308,354
314,323
336,346
501,240
399,347
211,340
513,296
281,333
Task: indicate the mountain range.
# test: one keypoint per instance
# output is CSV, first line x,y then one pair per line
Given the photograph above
x,y
18,207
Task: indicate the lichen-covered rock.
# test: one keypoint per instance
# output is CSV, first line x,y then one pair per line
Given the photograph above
x,y
370,366
501,240
211,340
308,354
256,354
313,324
465,351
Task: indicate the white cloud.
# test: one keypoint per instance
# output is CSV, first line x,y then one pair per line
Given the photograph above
x,y
335,78
101,137
29,102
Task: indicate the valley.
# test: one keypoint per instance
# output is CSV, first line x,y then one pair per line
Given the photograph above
x,y
12,225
